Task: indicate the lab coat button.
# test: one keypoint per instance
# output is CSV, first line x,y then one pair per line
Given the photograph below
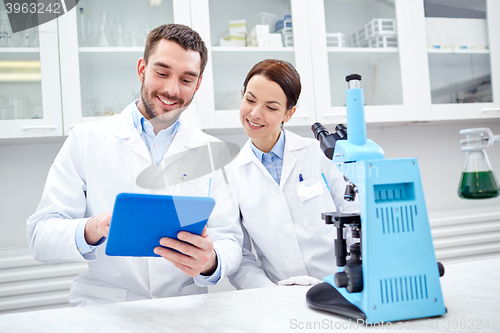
x,y
288,227
296,263
156,144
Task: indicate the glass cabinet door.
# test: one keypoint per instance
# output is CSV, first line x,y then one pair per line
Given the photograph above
x,y
358,37
239,34
463,46
237,52
29,106
100,45
458,51
362,38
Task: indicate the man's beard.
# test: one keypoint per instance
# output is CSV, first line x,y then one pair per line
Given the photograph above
x,y
169,117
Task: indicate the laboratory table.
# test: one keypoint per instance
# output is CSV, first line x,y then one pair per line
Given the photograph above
x,y
471,293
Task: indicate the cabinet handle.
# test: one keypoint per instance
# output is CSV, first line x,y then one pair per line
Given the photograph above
x,y
28,128
491,110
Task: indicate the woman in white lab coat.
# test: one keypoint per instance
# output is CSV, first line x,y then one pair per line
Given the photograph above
x,y
283,182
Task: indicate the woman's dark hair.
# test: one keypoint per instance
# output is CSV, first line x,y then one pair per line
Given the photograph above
x,y
182,35
281,72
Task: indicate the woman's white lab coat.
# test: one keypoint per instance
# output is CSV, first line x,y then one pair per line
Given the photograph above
x,y
284,221
98,161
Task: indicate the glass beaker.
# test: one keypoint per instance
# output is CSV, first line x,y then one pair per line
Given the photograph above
x,y
477,180
16,105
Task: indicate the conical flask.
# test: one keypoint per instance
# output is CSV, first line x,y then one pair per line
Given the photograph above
x,y
103,36
478,180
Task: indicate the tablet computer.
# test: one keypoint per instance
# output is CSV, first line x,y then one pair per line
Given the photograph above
x,y
140,220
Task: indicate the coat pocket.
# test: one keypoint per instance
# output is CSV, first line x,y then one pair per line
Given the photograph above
x,y
312,207
84,294
193,188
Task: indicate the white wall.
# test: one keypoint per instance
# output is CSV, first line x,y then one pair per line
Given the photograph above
x,y
24,165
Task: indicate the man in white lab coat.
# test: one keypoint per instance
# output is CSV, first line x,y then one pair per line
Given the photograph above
x,y
129,153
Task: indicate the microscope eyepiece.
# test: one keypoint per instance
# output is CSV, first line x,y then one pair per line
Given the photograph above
x,y
327,140
341,131
353,77
353,81
319,131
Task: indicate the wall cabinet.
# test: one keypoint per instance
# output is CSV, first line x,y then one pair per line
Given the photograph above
x,y
87,61
30,95
100,44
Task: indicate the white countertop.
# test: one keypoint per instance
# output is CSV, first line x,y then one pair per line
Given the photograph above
x,y
471,293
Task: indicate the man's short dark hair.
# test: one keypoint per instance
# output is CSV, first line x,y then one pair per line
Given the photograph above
x,y
180,34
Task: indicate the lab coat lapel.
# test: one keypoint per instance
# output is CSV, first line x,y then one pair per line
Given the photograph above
x,y
293,142
247,156
187,137
140,157
289,162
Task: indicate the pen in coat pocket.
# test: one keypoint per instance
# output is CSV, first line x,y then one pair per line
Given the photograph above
x,y
301,179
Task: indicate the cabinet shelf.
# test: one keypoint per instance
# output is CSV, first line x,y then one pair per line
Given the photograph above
x,y
252,49
362,50
19,50
457,51
110,49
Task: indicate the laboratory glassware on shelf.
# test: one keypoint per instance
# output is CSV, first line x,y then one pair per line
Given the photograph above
x,y
478,180
104,36
14,106
120,34
5,30
85,38
29,37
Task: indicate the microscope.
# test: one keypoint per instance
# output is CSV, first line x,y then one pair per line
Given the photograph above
x,y
391,273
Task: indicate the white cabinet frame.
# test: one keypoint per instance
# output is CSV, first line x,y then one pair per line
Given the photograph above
x,y
51,122
70,65
212,118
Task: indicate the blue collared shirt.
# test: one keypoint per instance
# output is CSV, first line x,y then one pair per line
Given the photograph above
x,y
157,144
272,161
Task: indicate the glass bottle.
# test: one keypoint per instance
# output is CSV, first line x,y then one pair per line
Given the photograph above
x,y
5,31
119,33
84,33
30,37
477,180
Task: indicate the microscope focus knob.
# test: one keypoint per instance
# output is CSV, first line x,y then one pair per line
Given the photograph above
x,y
351,278
441,269
341,280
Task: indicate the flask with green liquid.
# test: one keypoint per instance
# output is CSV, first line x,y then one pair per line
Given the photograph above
x,y
477,180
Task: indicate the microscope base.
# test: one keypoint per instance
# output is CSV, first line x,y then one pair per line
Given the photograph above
x,y
325,297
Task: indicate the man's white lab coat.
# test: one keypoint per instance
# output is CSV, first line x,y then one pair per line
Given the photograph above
x,y
100,160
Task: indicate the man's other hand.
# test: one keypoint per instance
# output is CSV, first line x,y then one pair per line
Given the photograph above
x,y
196,254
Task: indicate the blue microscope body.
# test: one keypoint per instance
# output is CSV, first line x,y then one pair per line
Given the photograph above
x,y
397,276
